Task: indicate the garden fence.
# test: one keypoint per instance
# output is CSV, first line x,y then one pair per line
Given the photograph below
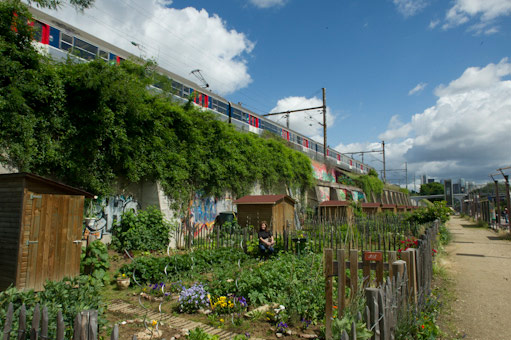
x,y
386,233
406,287
85,325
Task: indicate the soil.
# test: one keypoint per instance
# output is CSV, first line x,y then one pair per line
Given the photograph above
x,y
479,263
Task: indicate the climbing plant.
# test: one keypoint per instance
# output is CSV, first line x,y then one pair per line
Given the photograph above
x,y
94,124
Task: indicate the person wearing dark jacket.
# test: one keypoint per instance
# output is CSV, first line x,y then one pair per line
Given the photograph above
x,y
266,241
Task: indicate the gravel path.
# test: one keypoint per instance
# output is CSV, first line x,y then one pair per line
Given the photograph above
x,y
480,265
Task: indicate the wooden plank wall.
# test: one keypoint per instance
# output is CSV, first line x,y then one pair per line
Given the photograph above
x,y
11,200
52,223
253,214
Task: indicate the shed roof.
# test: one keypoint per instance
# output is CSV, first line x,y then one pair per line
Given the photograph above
x,y
64,187
334,204
262,199
388,206
370,205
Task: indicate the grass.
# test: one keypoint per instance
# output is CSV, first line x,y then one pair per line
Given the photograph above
x,y
443,289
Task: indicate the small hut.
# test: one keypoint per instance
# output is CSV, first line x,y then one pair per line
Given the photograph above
x,y
277,210
335,210
40,230
371,208
391,208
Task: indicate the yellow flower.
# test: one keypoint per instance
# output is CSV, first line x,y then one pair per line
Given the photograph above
x,y
224,304
221,320
154,323
231,305
123,275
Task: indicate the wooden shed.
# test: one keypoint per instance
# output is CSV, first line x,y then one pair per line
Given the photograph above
x,y
371,208
392,208
40,230
277,210
334,210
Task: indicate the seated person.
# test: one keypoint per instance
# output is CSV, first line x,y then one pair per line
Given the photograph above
x,y
266,241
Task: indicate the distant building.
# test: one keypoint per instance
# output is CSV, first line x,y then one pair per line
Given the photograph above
x,y
431,180
424,179
456,188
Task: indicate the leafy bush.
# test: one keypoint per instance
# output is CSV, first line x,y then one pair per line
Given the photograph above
x,y
295,282
146,230
94,261
370,184
152,269
438,210
70,296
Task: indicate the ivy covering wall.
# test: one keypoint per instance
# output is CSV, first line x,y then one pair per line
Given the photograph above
x,y
89,124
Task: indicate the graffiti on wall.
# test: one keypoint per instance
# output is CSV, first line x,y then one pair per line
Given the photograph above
x,y
323,193
203,211
322,173
108,211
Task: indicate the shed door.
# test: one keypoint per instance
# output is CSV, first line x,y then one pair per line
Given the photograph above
x,y
52,238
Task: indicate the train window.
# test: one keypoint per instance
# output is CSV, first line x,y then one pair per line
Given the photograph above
x,y
66,38
86,46
66,41
222,107
236,114
103,54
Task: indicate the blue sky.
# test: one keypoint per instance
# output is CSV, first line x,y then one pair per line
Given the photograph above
x,y
430,77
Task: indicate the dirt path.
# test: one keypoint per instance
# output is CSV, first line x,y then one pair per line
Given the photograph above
x,y
480,265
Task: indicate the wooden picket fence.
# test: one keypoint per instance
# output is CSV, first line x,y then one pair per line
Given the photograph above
x,y
405,288
85,325
365,233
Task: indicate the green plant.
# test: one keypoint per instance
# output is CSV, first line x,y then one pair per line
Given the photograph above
x,y
94,262
199,334
437,210
349,315
420,325
194,298
146,230
70,296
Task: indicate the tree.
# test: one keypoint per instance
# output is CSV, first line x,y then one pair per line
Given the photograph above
x,y
433,188
95,125
55,4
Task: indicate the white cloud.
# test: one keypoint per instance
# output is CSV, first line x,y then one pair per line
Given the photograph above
x,y
307,122
465,134
268,3
409,8
395,130
181,40
418,88
484,11
433,23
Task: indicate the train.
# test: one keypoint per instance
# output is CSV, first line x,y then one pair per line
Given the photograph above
x,y
57,39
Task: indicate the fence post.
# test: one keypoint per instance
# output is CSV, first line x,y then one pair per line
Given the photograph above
x,y
372,302
22,328
44,326
34,332
353,272
328,255
61,328
382,315
115,333
341,281
76,327
8,322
